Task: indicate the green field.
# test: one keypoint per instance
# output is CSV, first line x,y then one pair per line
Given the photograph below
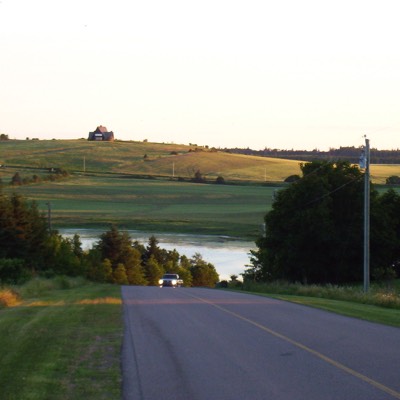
x,y
152,205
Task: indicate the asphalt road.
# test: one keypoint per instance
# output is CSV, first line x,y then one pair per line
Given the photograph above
x,y
203,344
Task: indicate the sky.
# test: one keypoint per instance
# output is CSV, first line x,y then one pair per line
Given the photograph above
x,y
287,74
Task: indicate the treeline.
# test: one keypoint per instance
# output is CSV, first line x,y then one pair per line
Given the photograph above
x,y
54,174
350,154
28,249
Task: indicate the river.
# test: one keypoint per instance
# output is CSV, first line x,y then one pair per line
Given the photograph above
x,y
228,255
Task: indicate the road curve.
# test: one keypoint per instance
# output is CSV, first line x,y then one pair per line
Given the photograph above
x,y
204,344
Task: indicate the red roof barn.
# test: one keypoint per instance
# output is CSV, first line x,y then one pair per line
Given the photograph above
x,y
101,134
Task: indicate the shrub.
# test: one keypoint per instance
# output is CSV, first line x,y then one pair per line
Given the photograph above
x,y
13,271
393,180
37,287
292,178
8,297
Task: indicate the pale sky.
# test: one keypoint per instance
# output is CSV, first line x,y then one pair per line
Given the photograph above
x,y
299,74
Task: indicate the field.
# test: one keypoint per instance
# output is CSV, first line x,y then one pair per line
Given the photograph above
x,y
152,205
153,159
143,159
147,186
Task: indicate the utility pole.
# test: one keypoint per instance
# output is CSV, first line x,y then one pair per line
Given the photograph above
x,y
49,216
364,163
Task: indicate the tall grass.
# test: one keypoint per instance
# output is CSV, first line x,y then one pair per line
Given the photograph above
x,y
41,286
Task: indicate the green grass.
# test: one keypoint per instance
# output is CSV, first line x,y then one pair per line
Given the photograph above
x,y
61,342
153,205
381,304
368,312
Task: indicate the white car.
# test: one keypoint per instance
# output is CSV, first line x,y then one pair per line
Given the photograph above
x,y
170,280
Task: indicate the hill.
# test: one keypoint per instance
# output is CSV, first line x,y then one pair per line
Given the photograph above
x,y
142,158
158,160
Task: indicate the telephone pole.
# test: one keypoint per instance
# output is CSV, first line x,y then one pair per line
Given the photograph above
x,y
49,216
366,214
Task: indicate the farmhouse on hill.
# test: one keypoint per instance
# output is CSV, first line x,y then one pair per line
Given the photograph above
x,y
101,134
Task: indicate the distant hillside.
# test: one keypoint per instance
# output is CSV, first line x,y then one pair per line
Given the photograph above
x,y
162,160
351,154
143,158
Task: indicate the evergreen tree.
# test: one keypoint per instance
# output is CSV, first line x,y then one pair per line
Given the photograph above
x,y
153,271
16,180
135,275
23,231
115,245
119,275
134,269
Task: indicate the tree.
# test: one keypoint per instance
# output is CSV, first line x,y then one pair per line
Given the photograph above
x,y
314,230
23,231
153,271
385,235
135,275
100,271
203,273
198,177
62,256
119,275
16,180
134,269
393,180
116,246
25,239
292,178
184,271
153,250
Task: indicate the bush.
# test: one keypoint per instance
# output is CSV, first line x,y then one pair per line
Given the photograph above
x,y
13,271
8,298
292,178
393,180
220,180
37,287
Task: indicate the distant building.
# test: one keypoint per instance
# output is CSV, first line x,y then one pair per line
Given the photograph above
x,y
101,134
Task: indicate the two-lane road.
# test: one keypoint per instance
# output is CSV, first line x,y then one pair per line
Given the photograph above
x,y
201,344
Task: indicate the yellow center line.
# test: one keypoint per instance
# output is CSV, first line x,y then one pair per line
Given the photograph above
x,y
328,360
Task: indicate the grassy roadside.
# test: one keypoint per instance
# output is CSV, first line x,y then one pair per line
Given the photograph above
x,y
367,312
380,305
61,340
